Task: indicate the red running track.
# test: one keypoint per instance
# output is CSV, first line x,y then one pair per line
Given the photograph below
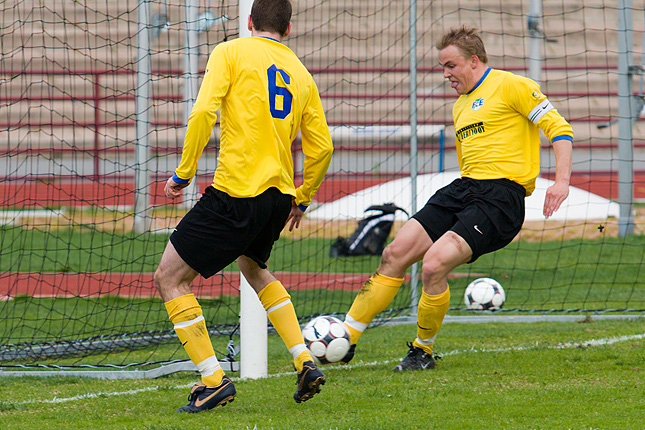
x,y
109,193
142,285
85,193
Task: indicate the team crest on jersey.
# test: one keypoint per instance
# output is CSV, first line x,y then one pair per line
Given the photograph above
x,y
537,95
478,103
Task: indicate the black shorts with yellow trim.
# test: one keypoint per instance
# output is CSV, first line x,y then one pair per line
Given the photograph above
x,y
487,214
220,228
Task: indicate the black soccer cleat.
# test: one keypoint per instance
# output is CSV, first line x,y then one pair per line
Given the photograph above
x,y
350,354
309,381
416,359
202,398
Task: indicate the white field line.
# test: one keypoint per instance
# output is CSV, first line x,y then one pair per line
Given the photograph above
x,y
588,343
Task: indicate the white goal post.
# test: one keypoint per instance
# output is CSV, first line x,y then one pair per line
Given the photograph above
x,y
253,318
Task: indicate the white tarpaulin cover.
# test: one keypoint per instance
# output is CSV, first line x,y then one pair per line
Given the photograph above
x,y
580,205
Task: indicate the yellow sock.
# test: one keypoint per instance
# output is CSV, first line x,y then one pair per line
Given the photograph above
x,y
282,315
375,295
432,310
186,314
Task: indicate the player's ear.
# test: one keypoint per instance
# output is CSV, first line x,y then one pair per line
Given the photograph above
x,y
286,33
474,61
249,24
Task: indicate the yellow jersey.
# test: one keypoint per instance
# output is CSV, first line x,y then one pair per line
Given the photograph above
x,y
265,95
496,126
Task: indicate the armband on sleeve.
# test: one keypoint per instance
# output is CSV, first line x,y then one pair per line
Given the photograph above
x,y
540,110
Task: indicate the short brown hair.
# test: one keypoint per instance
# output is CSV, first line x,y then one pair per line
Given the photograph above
x,y
271,15
466,39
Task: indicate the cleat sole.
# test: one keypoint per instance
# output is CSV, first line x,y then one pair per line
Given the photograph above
x,y
222,403
314,388
225,401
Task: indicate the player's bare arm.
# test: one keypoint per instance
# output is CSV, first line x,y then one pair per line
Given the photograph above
x,y
559,191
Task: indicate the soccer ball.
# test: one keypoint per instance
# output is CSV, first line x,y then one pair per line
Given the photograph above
x,y
326,338
484,293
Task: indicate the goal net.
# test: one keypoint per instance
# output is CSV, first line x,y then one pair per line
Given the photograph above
x,y
76,286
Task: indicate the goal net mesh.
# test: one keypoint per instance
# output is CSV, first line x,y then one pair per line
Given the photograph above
x,y
76,278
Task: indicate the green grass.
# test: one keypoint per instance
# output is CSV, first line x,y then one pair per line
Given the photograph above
x,y
84,250
576,274
491,376
598,274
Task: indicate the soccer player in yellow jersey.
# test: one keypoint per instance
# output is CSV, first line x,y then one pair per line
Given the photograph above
x,y
497,120
265,95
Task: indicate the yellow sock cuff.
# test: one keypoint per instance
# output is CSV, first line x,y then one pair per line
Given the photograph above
x,y
436,300
425,348
186,315
387,281
299,361
277,302
431,312
375,295
215,379
273,295
183,308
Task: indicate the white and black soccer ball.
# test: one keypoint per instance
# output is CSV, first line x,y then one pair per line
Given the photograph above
x,y
484,294
326,338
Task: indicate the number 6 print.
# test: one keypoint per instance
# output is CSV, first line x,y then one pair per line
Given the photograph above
x,y
275,90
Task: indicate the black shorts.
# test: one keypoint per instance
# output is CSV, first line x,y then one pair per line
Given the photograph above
x,y
487,214
220,228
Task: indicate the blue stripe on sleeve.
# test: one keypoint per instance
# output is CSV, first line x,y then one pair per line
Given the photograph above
x,y
178,180
563,137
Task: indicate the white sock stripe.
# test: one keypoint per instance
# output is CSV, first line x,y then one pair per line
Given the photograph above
x,y
296,350
427,342
355,324
185,324
278,306
208,366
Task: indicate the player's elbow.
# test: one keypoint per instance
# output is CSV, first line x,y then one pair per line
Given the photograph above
x,y
200,113
323,154
328,152
555,127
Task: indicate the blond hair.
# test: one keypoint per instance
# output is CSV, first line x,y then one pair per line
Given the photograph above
x,y
468,41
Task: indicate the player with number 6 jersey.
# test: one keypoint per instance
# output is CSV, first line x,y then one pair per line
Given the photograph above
x,y
264,95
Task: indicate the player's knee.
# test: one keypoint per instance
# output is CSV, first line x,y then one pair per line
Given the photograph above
x,y
392,255
435,267
158,278
431,269
399,255
164,277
